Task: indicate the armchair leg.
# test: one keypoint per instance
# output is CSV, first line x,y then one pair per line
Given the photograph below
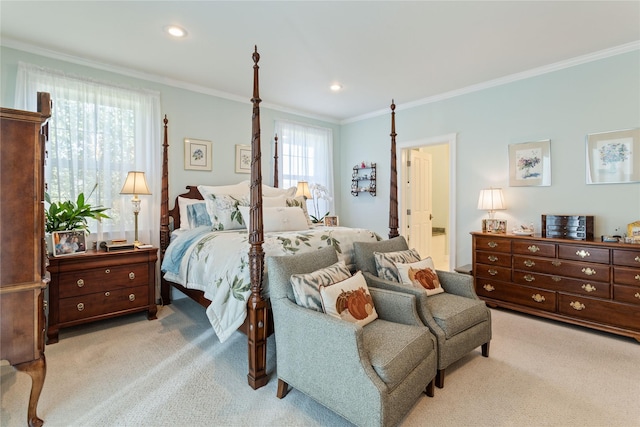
x,y
430,388
283,389
440,378
485,349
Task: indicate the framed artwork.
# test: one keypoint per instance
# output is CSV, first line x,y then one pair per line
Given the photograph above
x,y
331,221
613,157
197,154
243,158
530,164
68,242
492,225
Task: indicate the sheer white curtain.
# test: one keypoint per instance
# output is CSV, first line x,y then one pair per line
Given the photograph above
x,y
306,154
98,132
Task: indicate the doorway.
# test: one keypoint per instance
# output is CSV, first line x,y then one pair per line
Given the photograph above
x,y
433,191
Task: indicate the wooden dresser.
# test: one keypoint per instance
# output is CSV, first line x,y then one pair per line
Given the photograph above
x,y
22,253
99,285
586,283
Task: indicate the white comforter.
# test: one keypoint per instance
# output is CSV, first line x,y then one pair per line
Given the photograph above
x,y
217,263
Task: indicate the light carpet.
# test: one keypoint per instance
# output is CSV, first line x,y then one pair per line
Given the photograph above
x,y
173,371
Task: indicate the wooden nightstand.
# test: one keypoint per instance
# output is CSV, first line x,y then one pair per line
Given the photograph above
x,y
98,285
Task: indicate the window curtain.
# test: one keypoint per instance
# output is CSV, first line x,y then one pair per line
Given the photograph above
x,y
306,154
98,132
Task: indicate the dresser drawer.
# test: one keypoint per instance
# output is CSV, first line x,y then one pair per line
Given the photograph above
x,y
493,258
629,294
96,304
527,247
608,312
579,270
493,244
628,258
559,283
584,253
626,276
521,295
493,272
75,283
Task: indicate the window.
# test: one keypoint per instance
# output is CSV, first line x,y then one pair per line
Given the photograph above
x,y
97,133
306,154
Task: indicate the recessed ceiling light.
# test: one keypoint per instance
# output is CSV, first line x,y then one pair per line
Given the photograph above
x,y
336,87
175,31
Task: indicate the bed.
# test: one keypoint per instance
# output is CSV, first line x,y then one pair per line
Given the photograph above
x,y
230,284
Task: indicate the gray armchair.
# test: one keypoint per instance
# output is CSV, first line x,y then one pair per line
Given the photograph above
x,y
459,320
370,375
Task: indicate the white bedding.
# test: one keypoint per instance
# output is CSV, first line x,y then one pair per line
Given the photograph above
x,y
217,263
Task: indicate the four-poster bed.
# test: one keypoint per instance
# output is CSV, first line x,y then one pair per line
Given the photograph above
x,y
256,323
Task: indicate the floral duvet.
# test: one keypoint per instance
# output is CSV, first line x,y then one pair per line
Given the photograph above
x,y
217,263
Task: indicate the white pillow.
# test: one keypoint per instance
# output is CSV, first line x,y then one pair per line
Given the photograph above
x,y
274,201
183,202
274,191
239,188
349,300
421,274
300,202
278,218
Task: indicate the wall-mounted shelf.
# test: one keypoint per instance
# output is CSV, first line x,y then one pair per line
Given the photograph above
x,y
363,179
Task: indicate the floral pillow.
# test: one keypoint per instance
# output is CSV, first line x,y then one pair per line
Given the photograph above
x,y
386,262
421,274
349,300
306,287
223,210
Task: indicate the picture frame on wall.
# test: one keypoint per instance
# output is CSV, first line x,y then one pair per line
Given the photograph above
x,y
197,154
243,158
530,164
71,242
613,157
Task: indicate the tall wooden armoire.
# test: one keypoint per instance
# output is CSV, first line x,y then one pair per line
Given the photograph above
x,y
22,248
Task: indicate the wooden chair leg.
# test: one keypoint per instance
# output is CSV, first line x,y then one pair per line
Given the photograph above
x,y
440,378
283,389
430,388
485,349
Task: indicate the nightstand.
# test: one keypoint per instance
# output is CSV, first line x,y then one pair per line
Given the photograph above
x,y
98,285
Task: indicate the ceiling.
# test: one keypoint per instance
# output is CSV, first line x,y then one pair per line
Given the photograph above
x,y
409,51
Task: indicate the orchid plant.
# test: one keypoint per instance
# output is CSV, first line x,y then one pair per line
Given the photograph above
x,y
318,192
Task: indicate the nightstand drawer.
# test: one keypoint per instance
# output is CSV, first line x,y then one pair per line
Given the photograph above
x,y
86,306
85,282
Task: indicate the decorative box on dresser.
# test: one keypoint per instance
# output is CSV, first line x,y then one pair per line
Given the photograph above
x,y
98,285
22,252
588,283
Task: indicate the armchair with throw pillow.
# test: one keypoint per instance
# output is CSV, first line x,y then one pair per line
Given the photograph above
x,y
361,352
446,302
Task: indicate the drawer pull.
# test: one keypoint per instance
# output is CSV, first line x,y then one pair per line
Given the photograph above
x,y
556,263
637,295
589,271
106,294
529,263
533,248
80,283
529,278
132,275
588,287
107,271
556,278
637,259
490,288
537,298
577,305
132,297
582,253
492,258
80,306
492,244
637,277
492,272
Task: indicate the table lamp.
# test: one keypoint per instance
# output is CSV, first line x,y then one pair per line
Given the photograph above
x,y
303,190
135,184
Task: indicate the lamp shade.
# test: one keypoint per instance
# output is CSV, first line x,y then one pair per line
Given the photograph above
x,y
303,189
491,199
135,184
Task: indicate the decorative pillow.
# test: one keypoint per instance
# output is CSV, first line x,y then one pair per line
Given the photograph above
x,y
223,210
306,287
385,262
421,274
300,202
183,202
239,188
279,219
197,215
274,201
274,191
349,300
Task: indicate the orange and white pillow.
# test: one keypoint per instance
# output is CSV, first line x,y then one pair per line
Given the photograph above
x,y
421,274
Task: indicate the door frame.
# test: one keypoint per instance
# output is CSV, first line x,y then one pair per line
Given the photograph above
x,y
450,140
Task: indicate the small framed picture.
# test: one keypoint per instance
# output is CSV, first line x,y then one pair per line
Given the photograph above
x,y
331,221
197,154
68,242
613,157
530,164
243,158
497,226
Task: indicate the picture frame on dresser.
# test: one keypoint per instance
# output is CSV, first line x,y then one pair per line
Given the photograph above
x,y
71,242
613,157
530,164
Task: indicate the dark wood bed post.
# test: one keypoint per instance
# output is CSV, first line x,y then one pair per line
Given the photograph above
x,y
257,306
275,165
165,233
393,202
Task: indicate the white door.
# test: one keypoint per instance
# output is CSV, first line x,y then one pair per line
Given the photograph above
x,y
420,215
